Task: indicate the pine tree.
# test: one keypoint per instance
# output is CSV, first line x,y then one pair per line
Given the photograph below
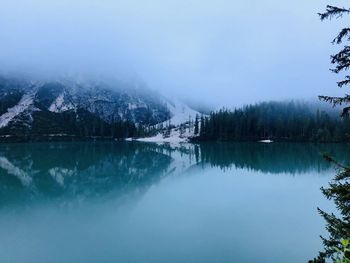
x,y
338,227
196,125
286,122
339,189
341,60
202,128
182,130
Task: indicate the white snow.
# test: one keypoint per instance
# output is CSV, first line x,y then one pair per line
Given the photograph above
x,y
175,137
132,106
59,105
180,113
23,104
266,141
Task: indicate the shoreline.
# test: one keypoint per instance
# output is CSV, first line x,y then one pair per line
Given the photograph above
x,y
155,139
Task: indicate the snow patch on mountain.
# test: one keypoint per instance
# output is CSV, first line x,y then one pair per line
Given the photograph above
x,y
110,102
59,105
23,105
180,113
182,120
175,137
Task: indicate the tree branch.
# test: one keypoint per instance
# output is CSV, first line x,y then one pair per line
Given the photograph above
x,y
333,11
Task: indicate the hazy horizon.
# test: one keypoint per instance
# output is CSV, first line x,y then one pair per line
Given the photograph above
x,y
221,54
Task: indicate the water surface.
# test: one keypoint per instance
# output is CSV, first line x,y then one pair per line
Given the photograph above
x,y
139,202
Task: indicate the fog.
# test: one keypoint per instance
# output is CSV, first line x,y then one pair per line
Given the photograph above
x,y
224,52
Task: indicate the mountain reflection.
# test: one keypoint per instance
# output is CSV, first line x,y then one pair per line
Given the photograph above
x,y
79,171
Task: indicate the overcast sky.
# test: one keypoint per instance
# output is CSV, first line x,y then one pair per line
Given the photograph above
x,y
223,52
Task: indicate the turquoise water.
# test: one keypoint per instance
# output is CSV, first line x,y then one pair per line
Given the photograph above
x,y
135,202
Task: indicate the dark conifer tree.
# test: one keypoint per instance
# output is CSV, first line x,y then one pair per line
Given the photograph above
x,y
196,125
341,60
279,121
339,189
202,128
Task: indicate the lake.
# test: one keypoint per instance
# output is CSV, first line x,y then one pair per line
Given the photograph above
x,y
142,202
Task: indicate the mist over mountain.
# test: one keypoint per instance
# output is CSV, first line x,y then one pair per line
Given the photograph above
x,y
61,106
222,53
88,107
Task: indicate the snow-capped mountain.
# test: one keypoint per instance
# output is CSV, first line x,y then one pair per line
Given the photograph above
x,y
84,108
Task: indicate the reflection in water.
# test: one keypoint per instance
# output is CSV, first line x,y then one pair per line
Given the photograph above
x,y
87,170
273,158
77,170
136,202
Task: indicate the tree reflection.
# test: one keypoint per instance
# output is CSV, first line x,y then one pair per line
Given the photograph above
x,y
272,158
85,171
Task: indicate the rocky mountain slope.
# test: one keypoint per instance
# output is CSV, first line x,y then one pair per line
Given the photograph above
x,y
83,108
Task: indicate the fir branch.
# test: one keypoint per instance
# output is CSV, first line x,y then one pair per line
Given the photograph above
x,y
335,101
342,59
333,161
345,32
333,11
344,82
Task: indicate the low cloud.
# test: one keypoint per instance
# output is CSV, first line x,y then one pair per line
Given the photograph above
x,y
218,52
